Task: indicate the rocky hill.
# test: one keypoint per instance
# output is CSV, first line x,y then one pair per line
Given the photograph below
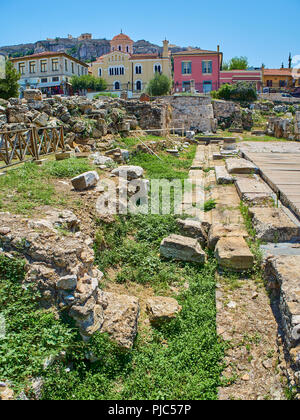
x,y
87,50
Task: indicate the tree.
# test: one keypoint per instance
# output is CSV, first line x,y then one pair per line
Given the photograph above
x,y
88,82
238,63
241,91
225,66
159,85
9,87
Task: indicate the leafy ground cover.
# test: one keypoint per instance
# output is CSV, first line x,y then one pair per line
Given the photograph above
x,y
179,360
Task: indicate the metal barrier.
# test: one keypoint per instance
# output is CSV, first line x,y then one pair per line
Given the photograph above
x,y
29,144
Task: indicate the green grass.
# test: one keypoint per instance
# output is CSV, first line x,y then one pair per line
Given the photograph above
x,y
131,142
210,205
180,360
132,244
27,187
108,94
32,334
169,167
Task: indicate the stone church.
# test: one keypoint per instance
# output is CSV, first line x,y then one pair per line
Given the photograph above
x,y
124,70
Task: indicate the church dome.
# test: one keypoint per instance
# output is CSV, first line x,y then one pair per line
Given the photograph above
x,y
122,37
122,43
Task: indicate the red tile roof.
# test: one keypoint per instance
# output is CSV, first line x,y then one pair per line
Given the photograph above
x,y
277,72
196,51
48,54
122,37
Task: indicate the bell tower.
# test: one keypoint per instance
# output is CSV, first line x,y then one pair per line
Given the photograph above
x,y
165,49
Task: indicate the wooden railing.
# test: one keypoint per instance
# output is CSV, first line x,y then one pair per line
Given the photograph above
x,y
29,144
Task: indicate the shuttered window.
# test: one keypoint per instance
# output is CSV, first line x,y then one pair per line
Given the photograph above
x,y
186,67
207,67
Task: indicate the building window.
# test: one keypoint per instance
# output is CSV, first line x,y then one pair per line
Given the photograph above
x,y
116,71
138,69
55,79
207,86
44,80
66,65
207,67
282,83
32,67
269,83
186,67
120,48
157,68
22,68
138,85
55,65
127,49
186,86
43,66
100,72
117,85
73,71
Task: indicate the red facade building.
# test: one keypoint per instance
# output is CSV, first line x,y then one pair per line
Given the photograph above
x,y
197,70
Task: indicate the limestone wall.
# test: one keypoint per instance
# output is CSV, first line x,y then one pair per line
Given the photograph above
x,y
193,112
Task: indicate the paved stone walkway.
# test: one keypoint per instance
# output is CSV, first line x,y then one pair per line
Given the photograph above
x,y
245,319
279,165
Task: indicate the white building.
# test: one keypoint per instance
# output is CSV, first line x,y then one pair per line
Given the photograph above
x,y
49,71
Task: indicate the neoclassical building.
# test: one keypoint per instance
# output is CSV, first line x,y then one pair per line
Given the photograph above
x,y
124,70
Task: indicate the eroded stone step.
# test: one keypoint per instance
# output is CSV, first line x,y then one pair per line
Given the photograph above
x,y
223,176
273,225
233,253
254,191
240,166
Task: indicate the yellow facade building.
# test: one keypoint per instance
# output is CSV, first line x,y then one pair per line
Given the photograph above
x,y
124,70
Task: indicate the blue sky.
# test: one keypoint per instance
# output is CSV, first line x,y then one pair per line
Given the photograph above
x,y
263,30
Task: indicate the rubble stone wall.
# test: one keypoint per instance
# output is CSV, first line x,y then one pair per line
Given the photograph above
x,y
288,128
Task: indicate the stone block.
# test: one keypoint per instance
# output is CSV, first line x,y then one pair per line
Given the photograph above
x,y
254,192
33,94
67,283
240,166
222,175
64,155
219,230
121,314
182,248
234,254
86,180
161,309
273,225
194,229
129,172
